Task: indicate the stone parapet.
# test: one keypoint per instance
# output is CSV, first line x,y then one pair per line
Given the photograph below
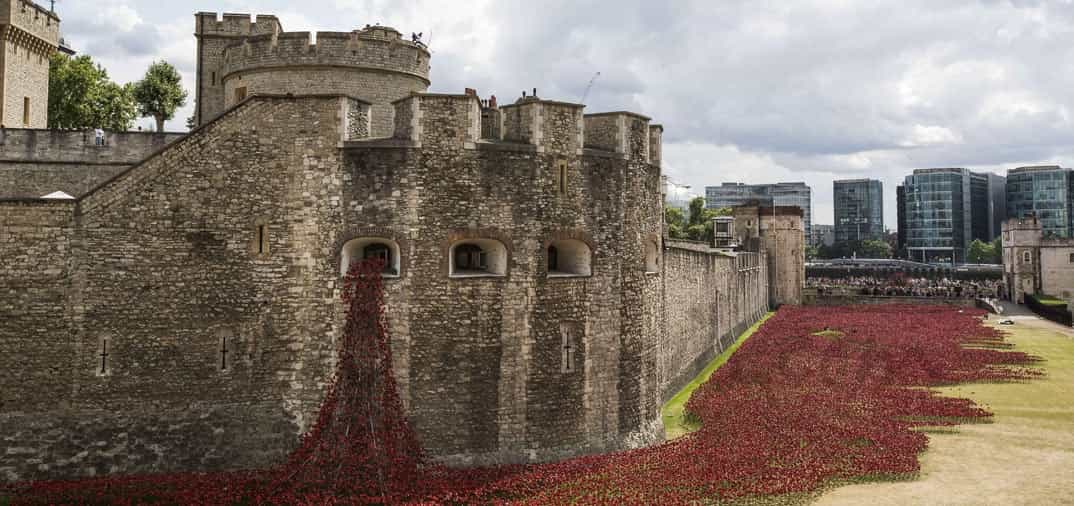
x,y
377,48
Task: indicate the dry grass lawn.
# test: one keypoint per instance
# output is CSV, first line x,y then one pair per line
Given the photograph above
x,y
1026,456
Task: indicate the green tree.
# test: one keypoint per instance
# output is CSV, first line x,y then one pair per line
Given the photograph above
x,y
160,93
81,96
699,224
676,222
981,252
875,248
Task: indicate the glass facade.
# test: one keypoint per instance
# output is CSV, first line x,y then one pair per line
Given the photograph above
x,y
944,210
1045,191
779,194
859,210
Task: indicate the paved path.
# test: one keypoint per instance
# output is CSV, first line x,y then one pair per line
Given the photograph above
x,y
1025,457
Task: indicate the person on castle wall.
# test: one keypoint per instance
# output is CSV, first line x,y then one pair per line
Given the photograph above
x,y
98,136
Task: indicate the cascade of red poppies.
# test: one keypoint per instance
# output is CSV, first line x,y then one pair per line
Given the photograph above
x,y
361,446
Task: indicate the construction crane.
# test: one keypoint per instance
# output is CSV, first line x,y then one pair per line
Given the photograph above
x,y
588,87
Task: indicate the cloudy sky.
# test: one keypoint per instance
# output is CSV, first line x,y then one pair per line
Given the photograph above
x,y
750,90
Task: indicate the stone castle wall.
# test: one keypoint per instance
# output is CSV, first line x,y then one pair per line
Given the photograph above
x,y
712,297
36,162
159,266
184,315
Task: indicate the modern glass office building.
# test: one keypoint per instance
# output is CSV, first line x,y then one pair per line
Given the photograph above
x,y
779,194
859,210
945,209
1048,192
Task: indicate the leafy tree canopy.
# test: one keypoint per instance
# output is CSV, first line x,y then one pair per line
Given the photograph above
x,y
160,93
81,96
676,222
984,252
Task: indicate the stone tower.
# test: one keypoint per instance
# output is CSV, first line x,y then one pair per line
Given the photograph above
x,y
1021,257
239,57
780,232
31,34
214,35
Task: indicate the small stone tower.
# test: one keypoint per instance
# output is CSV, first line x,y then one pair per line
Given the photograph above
x,y
1021,257
239,57
31,34
780,232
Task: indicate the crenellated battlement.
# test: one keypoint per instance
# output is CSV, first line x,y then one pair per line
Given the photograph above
x,y
625,133
551,126
235,25
379,48
438,119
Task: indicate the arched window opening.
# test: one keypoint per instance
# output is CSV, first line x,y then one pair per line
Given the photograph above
x,y
470,257
569,258
363,248
652,257
382,252
1025,257
478,258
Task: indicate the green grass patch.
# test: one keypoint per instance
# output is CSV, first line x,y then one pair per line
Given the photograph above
x,y
677,421
1048,300
833,335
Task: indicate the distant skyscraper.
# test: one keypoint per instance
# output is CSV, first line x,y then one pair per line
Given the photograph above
x,y
945,209
900,225
1046,191
768,195
859,210
823,235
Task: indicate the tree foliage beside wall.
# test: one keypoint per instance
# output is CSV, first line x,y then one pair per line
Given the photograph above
x,y
981,252
160,93
81,96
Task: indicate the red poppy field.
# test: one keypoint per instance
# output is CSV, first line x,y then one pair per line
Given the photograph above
x,y
818,395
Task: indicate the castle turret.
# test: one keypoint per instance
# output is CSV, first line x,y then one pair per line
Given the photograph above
x,y
215,34
374,64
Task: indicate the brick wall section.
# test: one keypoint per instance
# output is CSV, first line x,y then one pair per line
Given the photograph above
x,y
32,180
378,88
602,132
37,162
37,145
35,248
711,297
165,271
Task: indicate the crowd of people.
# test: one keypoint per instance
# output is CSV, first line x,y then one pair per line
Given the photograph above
x,y
899,286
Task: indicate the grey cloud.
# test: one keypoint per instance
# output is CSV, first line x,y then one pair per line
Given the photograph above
x,y
808,90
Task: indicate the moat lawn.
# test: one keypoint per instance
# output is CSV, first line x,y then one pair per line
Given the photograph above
x,y
676,420
1025,456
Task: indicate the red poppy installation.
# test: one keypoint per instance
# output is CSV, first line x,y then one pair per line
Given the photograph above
x,y
817,395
